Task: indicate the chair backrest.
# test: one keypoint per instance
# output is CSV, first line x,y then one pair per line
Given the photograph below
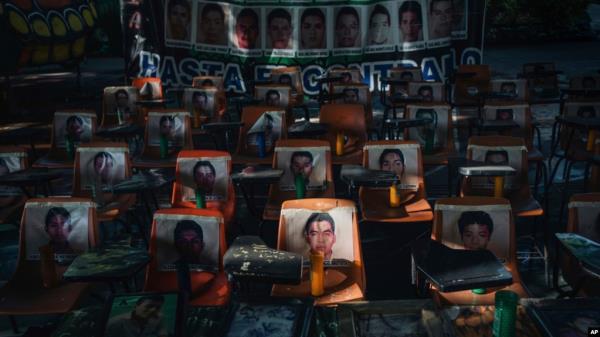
x,y
340,239
256,119
350,119
207,169
202,82
540,75
348,75
12,159
195,236
174,124
476,223
384,154
291,76
585,82
584,215
203,103
67,225
312,158
519,112
149,87
466,88
516,87
582,109
500,150
355,94
79,125
408,74
441,126
119,101
100,164
275,95
430,91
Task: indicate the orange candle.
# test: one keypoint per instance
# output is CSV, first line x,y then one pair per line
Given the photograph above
x,y
339,143
317,273
394,198
498,187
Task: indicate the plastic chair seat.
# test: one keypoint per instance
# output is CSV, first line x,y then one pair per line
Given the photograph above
x,y
374,204
352,157
116,207
18,298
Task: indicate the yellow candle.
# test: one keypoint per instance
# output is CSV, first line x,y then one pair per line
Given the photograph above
x,y
317,273
339,144
394,198
591,140
498,187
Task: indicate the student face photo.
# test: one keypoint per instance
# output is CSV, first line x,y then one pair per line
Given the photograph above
x,y
350,95
411,21
273,98
379,26
279,29
167,125
62,226
212,25
400,159
178,19
347,28
496,158
441,13
508,88
326,231
459,19
200,100
319,233
103,166
146,315
210,175
247,29
392,160
309,164
312,29
189,239
474,228
77,127
427,93
504,114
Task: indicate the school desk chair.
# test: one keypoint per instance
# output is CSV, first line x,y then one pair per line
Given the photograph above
x,y
284,149
70,128
29,292
207,287
411,204
341,283
346,133
449,217
395,89
184,195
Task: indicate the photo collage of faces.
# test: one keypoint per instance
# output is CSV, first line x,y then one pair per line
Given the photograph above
x,y
76,126
170,125
209,174
473,228
62,226
510,155
329,232
101,166
189,239
307,31
401,159
435,133
310,163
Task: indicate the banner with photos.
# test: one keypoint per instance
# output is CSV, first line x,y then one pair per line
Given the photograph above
x,y
244,40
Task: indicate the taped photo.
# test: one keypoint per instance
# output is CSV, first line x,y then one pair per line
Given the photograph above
x,y
119,104
246,34
510,86
329,232
189,239
209,175
430,91
274,95
436,132
348,32
308,163
279,29
204,82
155,312
352,94
268,126
170,125
313,32
178,23
201,101
76,126
517,113
103,166
380,34
62,226
510,155
401,159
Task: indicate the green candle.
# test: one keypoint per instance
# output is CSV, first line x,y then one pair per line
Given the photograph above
x,y
300,184
200,198
506,313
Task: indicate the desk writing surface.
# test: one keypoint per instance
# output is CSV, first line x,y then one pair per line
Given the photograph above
x,y
458,269
557,317
585,250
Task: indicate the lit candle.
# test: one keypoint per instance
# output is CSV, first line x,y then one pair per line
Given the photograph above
x,y
200,198
317,271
